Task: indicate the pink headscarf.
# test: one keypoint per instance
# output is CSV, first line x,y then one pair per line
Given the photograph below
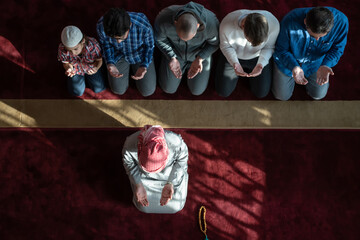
x,y
152,148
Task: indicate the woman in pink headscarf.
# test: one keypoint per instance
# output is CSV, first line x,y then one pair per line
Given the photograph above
x,y
156,163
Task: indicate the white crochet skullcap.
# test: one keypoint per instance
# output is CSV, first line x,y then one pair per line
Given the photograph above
x,y
71,36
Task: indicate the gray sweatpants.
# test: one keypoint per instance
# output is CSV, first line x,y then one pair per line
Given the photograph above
x,y
197,85
146,85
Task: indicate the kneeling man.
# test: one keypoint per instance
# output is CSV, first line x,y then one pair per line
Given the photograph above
x,y
156,163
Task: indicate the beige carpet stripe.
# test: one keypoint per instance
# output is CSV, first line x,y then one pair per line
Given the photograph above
x,y
180,114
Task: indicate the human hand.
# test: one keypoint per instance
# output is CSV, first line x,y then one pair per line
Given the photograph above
x,y
298,75
92,70
239,70
195,68
70,71
322,75
140,73
166,194
141,195
114,72
256,71
174,66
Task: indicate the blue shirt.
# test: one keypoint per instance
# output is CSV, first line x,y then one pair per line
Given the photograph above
x,y
138,47
295,47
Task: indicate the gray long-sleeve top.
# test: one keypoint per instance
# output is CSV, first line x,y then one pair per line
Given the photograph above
x,y
205,42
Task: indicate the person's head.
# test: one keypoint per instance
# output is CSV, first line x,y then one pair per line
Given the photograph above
x,y
116,23
255,28
319,22
73,39
152,149
186,26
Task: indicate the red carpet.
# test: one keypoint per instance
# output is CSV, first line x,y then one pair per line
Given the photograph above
x,y
30,34
255,184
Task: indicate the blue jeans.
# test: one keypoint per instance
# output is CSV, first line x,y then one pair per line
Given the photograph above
x,y
283,86
76,84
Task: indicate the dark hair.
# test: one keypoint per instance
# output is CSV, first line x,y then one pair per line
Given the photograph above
x,y
319,20
116,22
256,28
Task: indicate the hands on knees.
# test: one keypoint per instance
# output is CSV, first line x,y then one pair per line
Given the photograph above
x,y
166,195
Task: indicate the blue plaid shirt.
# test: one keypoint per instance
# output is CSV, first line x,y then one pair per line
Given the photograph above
x,y
138,47
295,47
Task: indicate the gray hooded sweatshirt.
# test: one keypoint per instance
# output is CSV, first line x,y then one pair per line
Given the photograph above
x,y
205,42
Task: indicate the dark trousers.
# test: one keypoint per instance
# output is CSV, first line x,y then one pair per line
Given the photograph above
x,y
226,79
